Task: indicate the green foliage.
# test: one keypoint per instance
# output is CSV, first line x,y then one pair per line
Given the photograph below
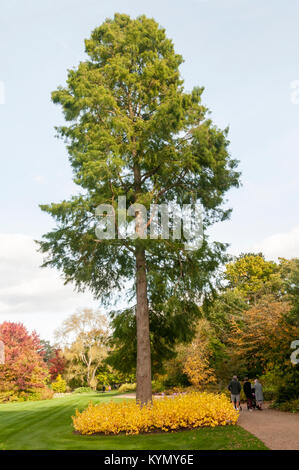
x,y
158,386
226,305
107,375
83,390
288,388
292,406
124,342
292,287
47,350
175,379
253,276
270,381
74,381
59,386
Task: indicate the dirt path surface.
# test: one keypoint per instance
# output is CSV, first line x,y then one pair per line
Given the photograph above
x,y
133,395
277,429
127,395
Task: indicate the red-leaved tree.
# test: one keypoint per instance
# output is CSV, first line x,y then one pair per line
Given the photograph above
x,y
24,367
56,364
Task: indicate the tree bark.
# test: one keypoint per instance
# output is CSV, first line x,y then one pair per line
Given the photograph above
x,y
143,369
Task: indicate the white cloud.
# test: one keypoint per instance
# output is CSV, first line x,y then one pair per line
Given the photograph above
x,y
284,244
27,288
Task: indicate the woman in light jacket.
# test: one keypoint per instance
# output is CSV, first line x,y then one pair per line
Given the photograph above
x,y
258,391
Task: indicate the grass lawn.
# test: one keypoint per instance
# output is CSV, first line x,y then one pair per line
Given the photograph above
x,y
47,425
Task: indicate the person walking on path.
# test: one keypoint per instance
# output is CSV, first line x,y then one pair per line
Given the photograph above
x,y
248,393
235,389
259,396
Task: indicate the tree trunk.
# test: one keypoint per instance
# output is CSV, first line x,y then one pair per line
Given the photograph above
x,y
143,369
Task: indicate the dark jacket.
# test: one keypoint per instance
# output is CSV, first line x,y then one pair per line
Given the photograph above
x,y
234,387
247,389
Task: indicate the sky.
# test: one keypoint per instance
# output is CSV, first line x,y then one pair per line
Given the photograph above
x,y
245,54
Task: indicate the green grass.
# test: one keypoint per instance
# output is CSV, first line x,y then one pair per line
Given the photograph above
x,y
47,425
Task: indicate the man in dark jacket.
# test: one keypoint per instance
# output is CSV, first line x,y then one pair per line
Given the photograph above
x,y
248,393
235,389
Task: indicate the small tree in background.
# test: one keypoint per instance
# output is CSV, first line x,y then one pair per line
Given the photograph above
x,y
85,336
47,350
56,364
252,277
59,386
197,355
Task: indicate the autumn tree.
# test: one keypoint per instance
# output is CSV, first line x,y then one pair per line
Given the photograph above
x,y
24,367
252,276
265,335
56,364
197,356
84,336
290,269
133,131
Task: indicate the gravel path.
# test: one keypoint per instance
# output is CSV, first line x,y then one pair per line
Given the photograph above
x,y
133,395
278,430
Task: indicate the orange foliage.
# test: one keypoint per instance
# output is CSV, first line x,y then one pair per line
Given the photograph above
x,y
196,363
263,332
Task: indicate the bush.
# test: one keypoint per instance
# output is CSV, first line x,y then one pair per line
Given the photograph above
x,y
287,391
59,386
157,386
83,390
280,385
10,396
187,411
291,406
126,388
269,393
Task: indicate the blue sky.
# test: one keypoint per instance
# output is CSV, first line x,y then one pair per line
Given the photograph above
x,y
245,54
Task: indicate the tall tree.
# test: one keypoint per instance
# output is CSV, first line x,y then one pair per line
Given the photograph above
x,y
133,131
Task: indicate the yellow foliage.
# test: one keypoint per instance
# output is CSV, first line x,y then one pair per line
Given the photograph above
x,y
196,357
59,386
185,411
198,370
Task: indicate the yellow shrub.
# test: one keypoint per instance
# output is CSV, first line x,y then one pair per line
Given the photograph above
x,y
127,388
188,411
59,386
